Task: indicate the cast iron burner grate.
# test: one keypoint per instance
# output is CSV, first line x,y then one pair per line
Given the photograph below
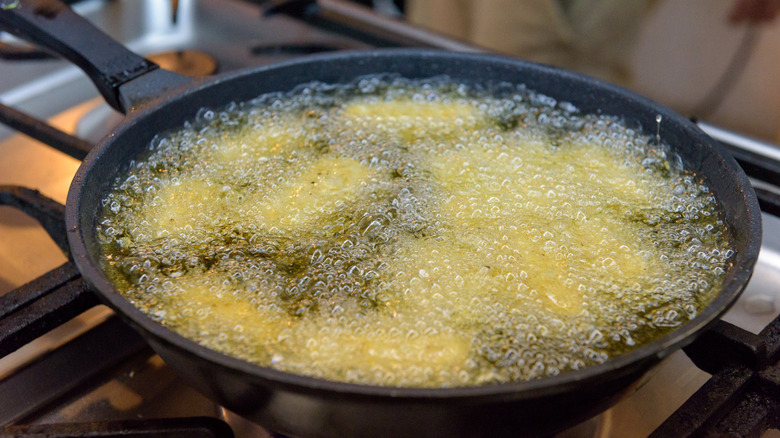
x,y
196,427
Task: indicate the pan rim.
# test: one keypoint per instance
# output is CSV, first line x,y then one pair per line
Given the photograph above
x,y
734,282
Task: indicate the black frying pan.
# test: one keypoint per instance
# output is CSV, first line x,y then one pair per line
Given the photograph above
x,y
156,101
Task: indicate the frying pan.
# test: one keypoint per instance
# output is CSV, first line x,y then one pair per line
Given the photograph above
x,y
156,101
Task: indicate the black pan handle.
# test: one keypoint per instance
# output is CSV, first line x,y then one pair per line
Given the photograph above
x,y
53,26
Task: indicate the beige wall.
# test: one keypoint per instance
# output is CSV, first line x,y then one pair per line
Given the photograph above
x,y
685,47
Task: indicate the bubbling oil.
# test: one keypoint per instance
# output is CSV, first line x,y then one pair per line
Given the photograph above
x,y
413,233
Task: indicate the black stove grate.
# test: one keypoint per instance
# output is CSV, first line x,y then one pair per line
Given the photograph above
x,y
742,398
195,427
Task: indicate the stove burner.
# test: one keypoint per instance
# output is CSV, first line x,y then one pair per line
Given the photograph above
x,y
186,62
21,52
596,427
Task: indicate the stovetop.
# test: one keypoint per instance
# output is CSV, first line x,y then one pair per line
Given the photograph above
x,y
62,378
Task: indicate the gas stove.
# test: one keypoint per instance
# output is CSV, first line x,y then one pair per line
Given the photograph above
x,y
69,366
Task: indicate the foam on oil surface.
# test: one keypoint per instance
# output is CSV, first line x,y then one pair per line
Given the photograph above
x,y
413,233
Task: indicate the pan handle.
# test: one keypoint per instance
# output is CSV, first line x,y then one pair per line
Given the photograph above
x,y
53,26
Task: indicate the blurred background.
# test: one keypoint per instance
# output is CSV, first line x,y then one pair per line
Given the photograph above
x,y
694,56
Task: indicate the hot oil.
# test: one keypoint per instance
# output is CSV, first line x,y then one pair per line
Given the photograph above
x,y
413,233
